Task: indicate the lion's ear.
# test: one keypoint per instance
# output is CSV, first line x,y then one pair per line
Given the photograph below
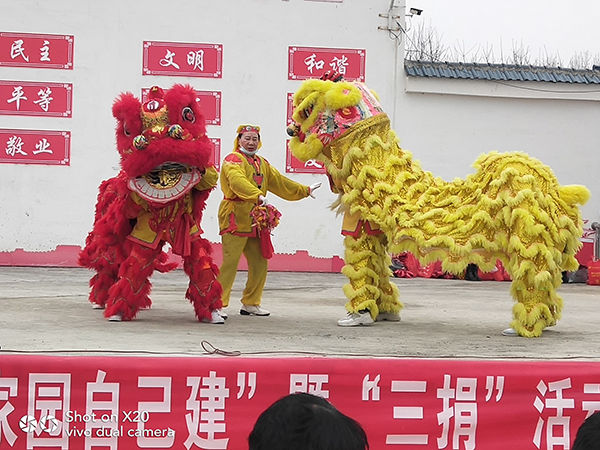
x,y
342,95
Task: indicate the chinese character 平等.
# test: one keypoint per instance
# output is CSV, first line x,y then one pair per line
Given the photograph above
x,y
44,98
17,96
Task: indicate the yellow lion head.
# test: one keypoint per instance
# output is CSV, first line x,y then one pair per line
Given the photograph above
x,y
325,110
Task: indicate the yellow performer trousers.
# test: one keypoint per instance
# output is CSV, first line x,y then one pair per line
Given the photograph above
x,y
368,270
233,247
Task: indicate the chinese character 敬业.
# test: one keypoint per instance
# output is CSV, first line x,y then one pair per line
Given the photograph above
x,y
14,146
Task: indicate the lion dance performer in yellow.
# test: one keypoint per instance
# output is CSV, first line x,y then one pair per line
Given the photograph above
x,y
157,198
512,209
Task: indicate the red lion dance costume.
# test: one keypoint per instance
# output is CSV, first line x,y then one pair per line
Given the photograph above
x,y
157,198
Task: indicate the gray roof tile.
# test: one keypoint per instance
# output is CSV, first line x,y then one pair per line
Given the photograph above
x,y
502,72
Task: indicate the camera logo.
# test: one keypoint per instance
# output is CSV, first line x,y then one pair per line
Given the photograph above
x,y
47,423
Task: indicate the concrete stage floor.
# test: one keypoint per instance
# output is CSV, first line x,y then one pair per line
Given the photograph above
x,y
46,311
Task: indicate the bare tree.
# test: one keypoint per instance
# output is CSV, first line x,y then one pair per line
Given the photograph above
x,y
424,43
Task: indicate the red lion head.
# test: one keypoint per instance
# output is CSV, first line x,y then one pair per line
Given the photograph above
x,y
162,142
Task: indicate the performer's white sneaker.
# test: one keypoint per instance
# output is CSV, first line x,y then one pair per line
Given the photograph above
x,y
115,318
510,332
215,318
356,319
97,306
389,316
222,313
249,310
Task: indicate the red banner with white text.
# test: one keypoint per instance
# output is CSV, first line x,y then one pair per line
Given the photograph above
x,y
212,402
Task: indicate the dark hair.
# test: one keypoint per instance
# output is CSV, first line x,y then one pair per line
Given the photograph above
x,y
306,422
588,435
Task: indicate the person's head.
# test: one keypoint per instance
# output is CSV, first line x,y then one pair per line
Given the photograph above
x,y
588,435
248,138
306,422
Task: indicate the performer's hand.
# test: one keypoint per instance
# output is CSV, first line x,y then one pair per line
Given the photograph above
x,y
312,188
262,201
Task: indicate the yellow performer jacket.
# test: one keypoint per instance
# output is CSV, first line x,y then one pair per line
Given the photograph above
x,y
163,223
243,179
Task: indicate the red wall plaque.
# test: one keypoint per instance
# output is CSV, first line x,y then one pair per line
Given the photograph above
x,y
35,98
312,62
182,59
294,165
35,147
210,104
49,51
216,159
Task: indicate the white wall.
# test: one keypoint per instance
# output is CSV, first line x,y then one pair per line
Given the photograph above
x,y
46,206
448,123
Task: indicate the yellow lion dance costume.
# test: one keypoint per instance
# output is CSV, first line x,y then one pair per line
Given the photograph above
x,y
511,209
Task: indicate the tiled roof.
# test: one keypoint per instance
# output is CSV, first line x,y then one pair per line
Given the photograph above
x,y
500,72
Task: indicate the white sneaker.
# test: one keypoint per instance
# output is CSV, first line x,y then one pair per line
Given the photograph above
x,y
356,319
389,316
115,318
510,332
97,306
249,310
215,317
222,313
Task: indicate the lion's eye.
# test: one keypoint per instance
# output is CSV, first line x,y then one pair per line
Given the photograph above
x,y
306,112
126,130
188,115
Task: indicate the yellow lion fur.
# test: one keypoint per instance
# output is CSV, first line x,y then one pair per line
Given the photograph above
x,y
512,208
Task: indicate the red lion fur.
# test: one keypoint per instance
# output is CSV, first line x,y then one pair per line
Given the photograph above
x,y
124,265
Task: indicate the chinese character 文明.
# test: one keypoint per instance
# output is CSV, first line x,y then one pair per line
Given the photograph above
x,y
17,96
339,64
196,59
211,410
557,422
45,51
311,63
44,98
168,60
43,146
14,146
16,49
